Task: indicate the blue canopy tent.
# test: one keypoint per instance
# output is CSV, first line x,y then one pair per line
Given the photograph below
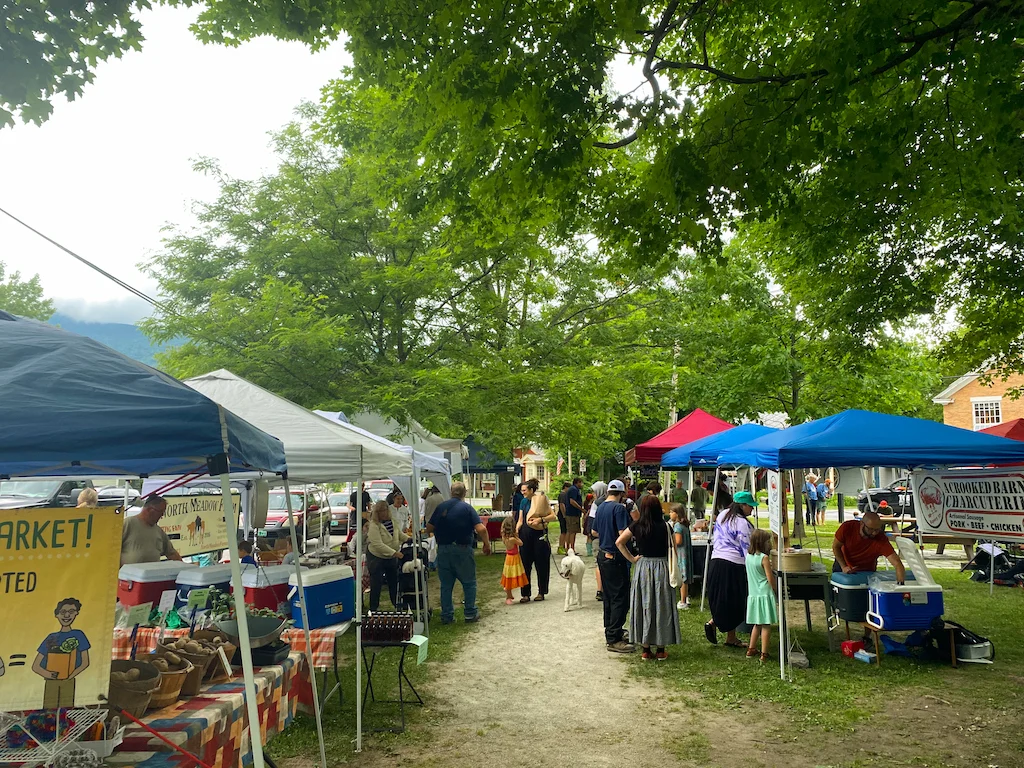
x,y
705,452
866,439
73,407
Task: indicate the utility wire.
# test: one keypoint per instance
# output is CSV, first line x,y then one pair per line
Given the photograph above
x,y
195,333
130,288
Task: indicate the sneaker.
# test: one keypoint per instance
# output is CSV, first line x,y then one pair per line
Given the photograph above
x,y
620,647
472,619
686,605
599,597
661,655
647,655
561,550
681,606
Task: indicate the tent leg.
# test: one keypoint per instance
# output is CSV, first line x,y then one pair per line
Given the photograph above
x,y
305,628
421,574
992,569
359,609
245,650
711,527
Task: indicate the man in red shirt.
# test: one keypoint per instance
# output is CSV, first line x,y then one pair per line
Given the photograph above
x,y
858,545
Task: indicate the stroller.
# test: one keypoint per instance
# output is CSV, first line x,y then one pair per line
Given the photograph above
x,y
407,577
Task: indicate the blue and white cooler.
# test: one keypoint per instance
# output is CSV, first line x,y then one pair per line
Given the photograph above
x,y
913,605
218,576
330,596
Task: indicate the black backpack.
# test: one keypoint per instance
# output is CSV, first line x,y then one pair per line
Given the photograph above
x,y
961,636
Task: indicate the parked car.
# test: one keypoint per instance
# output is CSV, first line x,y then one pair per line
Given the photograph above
x,y
311,521
43,494
338,502
379,489
898,496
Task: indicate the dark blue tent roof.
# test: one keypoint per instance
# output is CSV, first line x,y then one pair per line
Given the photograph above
x,y
71,406
484,462
705,452
867,439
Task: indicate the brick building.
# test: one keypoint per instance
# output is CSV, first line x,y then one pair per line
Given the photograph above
x,y
969,404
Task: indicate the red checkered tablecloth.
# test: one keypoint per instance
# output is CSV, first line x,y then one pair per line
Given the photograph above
x,y
147,638
322,639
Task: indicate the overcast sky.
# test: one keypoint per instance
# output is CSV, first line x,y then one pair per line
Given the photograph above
x,y
105,173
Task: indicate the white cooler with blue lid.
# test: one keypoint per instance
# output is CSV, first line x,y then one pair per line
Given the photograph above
x,y
218,576
330,596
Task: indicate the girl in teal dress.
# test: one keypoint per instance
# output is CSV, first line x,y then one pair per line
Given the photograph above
x,y
761,612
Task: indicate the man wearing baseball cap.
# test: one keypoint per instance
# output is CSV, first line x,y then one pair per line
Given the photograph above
x,y
611,520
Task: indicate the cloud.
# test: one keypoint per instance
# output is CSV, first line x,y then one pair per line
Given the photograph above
x,y
128,310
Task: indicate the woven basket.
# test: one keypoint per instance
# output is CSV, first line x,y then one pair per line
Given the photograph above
x,y
133,697
196,659
193,681
170,688
215,672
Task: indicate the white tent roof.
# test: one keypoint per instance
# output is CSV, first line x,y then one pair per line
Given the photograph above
x,y
425,463
317,450
415,435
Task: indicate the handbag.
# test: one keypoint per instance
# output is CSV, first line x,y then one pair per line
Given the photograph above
x,y
674,577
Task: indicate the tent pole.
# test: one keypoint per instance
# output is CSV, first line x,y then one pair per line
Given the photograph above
x,y
992,568
359,606
305,626
416,525
245,650
711,526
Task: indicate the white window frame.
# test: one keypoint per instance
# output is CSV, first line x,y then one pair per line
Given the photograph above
x,y
986,401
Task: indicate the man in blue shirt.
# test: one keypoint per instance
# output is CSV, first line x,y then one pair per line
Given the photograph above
x,y
573,512
612,519
453,525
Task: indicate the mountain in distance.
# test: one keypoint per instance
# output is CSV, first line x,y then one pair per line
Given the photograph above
x,y
126,339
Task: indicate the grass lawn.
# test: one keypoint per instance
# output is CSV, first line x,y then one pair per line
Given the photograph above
x,y
300,739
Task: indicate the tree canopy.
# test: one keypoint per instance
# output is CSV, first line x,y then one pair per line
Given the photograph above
x,y
880,141
334,283
23,297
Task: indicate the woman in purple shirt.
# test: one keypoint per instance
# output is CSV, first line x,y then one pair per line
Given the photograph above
x,y
727,574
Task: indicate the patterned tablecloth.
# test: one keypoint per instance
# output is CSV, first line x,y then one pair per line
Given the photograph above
x,y
322,639
212,724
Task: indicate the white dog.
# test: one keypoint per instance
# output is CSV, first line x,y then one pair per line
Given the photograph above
x,y
573,569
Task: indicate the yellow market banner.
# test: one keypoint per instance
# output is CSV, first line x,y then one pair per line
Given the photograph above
x,y
195,523
58,580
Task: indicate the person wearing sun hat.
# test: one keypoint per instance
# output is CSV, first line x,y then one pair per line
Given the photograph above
x,y
727,571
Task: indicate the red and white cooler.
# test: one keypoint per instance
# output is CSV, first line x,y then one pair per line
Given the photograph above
x,y
139,583
268,587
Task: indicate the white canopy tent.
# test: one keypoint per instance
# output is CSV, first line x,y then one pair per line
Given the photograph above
x,y
432,466
415,435
322,451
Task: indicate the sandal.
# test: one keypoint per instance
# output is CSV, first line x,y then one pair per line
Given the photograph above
x,y
509,601
764,657
734,645
751,653
538,599
524,599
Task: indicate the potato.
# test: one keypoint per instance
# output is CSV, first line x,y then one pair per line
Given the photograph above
x,y
180,644
192,647
118,677
218,641
160,664
133,674
173,658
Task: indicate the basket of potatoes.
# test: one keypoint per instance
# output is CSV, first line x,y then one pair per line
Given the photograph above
x,y
216,671
131,686
173,670
200,653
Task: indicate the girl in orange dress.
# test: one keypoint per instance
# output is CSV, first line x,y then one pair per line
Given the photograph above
x,y
513,575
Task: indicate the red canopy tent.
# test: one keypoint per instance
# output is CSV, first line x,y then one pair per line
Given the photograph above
x,y
1011,429
691,427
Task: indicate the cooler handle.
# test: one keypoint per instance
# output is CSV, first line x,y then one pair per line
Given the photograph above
x,y
127,584
872,616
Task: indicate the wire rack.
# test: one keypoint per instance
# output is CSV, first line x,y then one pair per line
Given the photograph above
x,y
47,751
